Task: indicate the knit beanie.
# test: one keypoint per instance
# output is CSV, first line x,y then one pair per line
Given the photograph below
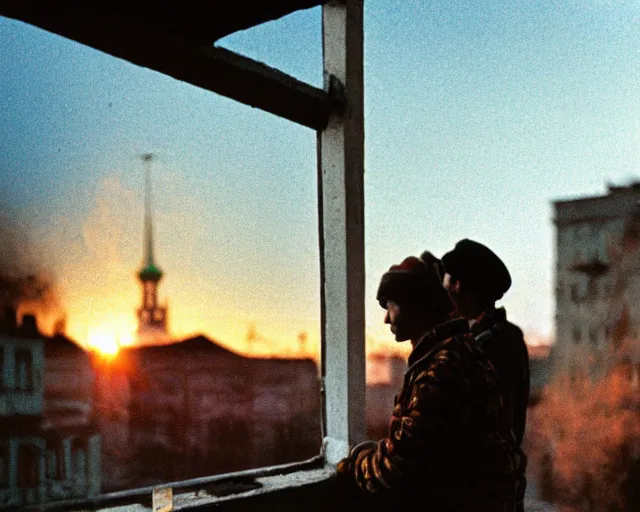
x,y
415,281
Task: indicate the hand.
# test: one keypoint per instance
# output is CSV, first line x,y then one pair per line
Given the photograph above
x,y
344,467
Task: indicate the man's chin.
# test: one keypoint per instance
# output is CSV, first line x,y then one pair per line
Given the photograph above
x,y
400,338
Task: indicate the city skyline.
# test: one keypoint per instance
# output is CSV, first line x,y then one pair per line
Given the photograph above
x,y
476,118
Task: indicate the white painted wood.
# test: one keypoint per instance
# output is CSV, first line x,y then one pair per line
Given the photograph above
x,y
341,165
334,450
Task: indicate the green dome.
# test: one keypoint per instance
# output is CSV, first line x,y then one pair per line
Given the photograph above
x,y
150,273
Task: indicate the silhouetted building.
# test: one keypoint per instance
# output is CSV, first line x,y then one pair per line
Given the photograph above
x,y
598,282
49,447
195,408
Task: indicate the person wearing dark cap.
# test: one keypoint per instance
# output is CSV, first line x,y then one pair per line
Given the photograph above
x,y
476,279
451,445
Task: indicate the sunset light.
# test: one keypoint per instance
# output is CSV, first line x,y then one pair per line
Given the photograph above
x,y
197,227
105,341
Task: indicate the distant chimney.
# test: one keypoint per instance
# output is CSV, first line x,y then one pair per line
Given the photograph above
x,y
8,321
28,329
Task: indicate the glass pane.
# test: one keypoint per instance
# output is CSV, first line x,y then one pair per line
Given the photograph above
x,y
159,275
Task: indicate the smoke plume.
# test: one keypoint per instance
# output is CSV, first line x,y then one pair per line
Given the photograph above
x,y
26,285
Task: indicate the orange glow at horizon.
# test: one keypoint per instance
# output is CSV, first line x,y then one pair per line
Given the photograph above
x,y
105,342
97,276
249,312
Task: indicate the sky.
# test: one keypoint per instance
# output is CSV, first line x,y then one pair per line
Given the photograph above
x,y
477,116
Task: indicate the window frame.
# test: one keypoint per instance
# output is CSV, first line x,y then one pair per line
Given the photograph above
x,y
340,174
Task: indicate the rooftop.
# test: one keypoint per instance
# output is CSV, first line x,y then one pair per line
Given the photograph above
x,y
612,190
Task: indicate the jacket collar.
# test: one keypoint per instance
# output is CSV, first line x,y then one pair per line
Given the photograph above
x,y
487,319
439,333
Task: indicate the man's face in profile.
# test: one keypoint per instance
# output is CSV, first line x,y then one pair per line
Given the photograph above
x,y
398,323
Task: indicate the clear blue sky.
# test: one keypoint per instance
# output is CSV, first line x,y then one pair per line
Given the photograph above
x,y
477,114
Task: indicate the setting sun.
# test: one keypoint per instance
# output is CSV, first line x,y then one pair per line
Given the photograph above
x,y
104,341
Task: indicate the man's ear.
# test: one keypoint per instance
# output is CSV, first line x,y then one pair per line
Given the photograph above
x,y
453,285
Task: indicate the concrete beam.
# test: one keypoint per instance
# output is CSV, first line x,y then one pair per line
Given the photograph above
x,y
214,69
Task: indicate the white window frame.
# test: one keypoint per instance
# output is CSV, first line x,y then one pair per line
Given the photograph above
x,y
337,115
341,181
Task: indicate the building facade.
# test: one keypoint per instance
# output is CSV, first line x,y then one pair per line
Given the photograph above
x,y
192,408
49,448
597,283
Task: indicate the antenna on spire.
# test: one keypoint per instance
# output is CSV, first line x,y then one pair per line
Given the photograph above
x,y
148,221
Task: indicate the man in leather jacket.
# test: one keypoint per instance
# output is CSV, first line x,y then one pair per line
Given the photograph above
x,y
451,445
476,278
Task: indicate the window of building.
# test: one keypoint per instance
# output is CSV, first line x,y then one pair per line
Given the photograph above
x,y
574,293
4,464
78,460
55,463
24,369
28,466
2,372
577,335
593,335
593,290
51,461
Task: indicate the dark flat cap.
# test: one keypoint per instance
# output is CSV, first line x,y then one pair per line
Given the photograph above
x,y
479,268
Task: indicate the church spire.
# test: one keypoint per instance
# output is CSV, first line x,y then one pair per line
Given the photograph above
x,y
148,220
149,271
152,318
